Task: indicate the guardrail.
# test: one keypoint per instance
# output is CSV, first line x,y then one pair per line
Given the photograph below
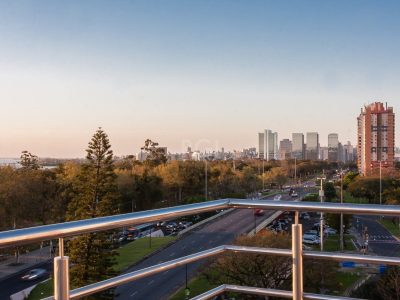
x,y
62,230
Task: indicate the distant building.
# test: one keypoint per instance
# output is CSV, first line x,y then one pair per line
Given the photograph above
x,y
333,147
375,143
285,149
268,145
348,150
142,155
298,145
312,146
323,153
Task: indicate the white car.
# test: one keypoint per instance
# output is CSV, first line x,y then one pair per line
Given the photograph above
x,y
330,231
277,197
311,239
34,274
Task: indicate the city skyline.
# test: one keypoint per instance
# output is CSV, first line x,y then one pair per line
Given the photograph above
x,y
206,73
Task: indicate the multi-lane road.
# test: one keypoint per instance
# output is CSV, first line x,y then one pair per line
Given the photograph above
x,y
219,232
380,240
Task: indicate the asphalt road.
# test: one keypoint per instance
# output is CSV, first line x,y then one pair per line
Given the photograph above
x,y
381,241
219,232
14,284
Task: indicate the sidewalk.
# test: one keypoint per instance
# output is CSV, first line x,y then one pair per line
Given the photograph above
x,y
26,261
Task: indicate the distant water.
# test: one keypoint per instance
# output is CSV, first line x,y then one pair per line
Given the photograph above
x,y
13,162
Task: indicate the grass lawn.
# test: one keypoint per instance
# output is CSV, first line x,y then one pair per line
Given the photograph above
x,y
128,255
388,224
197,286
348,198
42,290
135,251
331,243
345,280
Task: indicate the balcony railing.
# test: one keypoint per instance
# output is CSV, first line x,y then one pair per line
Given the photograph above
x,y
69,229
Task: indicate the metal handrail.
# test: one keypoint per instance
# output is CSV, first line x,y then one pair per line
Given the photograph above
x,y
162,267
263,292
67,229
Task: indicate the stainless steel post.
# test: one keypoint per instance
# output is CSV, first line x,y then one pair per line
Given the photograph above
x,y
297,264
61,274
61,278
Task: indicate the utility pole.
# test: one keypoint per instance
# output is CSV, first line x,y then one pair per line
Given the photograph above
x,y
263,170
341,215
380,182
206,179
295,171
321,195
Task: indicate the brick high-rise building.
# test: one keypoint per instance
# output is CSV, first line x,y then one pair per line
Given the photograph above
x,y
375,140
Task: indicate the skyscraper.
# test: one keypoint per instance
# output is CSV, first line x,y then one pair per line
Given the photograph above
x,y
285,149
333,147
268,145
298,145
312,147
375,143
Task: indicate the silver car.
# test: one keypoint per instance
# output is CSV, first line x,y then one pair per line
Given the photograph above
x,y
34,274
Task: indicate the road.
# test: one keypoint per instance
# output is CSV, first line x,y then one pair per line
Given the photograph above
x,y
381,241
219,232
14,284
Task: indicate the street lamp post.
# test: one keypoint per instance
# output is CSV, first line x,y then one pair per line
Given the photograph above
x,y
295,171
341,215
321,195
206,179
380,182
263,170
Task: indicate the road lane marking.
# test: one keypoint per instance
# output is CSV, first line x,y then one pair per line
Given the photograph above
x,y
172,254
133,294
150,282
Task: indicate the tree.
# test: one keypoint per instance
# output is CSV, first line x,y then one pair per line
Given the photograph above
x,y
349,178
329,191
29,161
92,255
155,154
389,285
276,175
256,270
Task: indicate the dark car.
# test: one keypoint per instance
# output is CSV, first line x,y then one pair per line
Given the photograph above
x,y
34,274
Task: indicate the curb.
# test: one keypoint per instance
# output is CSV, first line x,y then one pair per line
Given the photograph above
x,y
263,224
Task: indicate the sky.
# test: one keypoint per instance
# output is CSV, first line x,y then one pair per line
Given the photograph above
x,y
205,74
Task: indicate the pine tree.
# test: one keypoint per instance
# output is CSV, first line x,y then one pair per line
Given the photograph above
x,y
95,195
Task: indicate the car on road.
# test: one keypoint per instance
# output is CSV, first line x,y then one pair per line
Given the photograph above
x,y
294,195
258,212
34,274
277,197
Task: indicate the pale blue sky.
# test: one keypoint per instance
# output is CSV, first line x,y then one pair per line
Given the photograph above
x,y
206,73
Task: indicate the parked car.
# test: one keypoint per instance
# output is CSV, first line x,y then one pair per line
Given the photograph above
x,y
277,197
311,239
294,195
34,274
305,216
329,230
312,232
